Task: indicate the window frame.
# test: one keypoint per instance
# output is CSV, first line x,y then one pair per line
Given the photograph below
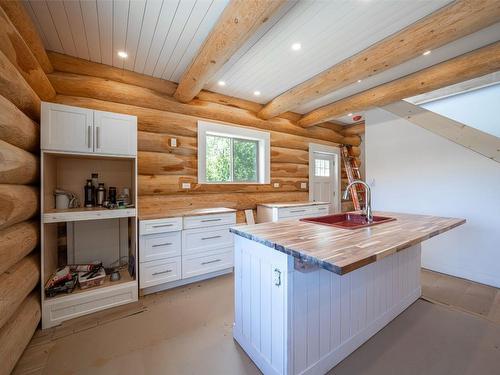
x,y
262,138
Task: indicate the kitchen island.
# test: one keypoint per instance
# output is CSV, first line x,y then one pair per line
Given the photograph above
x,y
307,295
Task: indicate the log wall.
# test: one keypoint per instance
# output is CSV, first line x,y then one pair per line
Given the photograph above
x,y
162,169
22,83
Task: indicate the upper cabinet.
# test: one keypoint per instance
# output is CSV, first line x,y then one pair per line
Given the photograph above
x,y
74,129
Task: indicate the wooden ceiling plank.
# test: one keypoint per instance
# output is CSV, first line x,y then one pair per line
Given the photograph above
x,y
450,23
239,20
474,64
24,25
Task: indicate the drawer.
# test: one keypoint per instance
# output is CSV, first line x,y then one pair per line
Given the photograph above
x,y
159,271
320,210
206,239
204,221
171,224
159,246
195,265
293,212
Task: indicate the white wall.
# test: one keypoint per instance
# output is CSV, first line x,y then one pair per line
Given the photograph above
x,y
478,108
416,171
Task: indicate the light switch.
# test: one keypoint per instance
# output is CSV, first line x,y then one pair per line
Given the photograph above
x,y
173,142
303,185
186,185
276,185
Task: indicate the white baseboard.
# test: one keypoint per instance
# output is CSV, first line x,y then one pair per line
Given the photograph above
x,y
175,284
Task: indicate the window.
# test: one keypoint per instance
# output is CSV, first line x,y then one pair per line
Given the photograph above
x,y
228,154
321,168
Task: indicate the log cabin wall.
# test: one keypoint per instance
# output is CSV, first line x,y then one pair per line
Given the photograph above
x,y
23,83
163,169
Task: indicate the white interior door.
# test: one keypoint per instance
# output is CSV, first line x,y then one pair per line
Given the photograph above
x,y
324,178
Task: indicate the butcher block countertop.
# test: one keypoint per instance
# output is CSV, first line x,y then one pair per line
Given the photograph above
x,y
165,213
344,250
291,204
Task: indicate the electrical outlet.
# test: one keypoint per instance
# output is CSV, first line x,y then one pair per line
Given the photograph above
x,y
303,185
173,142
276,185
186,185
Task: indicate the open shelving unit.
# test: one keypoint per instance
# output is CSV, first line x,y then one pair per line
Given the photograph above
x,y
69,155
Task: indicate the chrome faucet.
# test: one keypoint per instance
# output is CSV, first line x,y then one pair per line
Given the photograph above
x,y
368,203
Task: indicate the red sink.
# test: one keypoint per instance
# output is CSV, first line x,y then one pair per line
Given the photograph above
x,y
347,220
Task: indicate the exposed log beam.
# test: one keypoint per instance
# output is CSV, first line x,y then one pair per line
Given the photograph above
x,y
24,25
470,65
356,129
17,166
452,22
16,242
17,332
466,136
16,89
15,285
17,203
17,128
239,20
19,54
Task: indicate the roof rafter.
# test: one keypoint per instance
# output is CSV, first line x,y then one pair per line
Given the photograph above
x,y
449,23
239,20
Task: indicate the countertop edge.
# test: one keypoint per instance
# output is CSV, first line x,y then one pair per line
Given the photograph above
x,y
351,267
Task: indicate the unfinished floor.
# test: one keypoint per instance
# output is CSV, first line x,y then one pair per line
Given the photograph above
x,y
453,329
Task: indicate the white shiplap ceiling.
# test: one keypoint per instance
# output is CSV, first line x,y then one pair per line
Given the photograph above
x,y
161,38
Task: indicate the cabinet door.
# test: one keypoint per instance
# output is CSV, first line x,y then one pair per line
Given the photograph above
x,y
115,134
66,128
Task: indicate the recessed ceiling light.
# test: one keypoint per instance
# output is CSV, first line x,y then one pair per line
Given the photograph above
x,y
359,80
349,114
122,54
428,52
256,93
296,46
221,83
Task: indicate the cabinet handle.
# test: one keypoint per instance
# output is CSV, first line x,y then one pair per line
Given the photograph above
x,y
89,136
294,211
211,261
98,143
162,244
162,226
211,238
207,220
161,272
277,277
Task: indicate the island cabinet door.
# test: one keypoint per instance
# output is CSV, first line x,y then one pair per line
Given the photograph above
x,y
261,304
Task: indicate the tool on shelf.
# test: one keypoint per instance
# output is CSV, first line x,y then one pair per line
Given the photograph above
x,y
352,171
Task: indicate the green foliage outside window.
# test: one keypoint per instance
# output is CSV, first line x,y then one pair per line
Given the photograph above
x,y
231,159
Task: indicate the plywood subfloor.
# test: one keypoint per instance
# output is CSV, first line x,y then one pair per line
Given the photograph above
x,y
188,331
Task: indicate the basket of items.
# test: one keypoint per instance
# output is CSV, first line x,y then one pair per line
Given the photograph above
x,y
67,278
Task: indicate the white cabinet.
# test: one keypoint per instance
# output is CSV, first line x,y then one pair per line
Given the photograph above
x,y
180,250
66,128
114,133
279,211
74,129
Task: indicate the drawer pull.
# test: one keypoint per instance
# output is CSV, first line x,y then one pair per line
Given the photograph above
x,y
161,272
162,244
210,238
294,211
162,225
211,261
208,220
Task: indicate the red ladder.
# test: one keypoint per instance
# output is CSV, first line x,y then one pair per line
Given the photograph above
x,y
352,171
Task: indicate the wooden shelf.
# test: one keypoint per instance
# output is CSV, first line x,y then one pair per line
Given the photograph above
x,y
80,214
125,279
